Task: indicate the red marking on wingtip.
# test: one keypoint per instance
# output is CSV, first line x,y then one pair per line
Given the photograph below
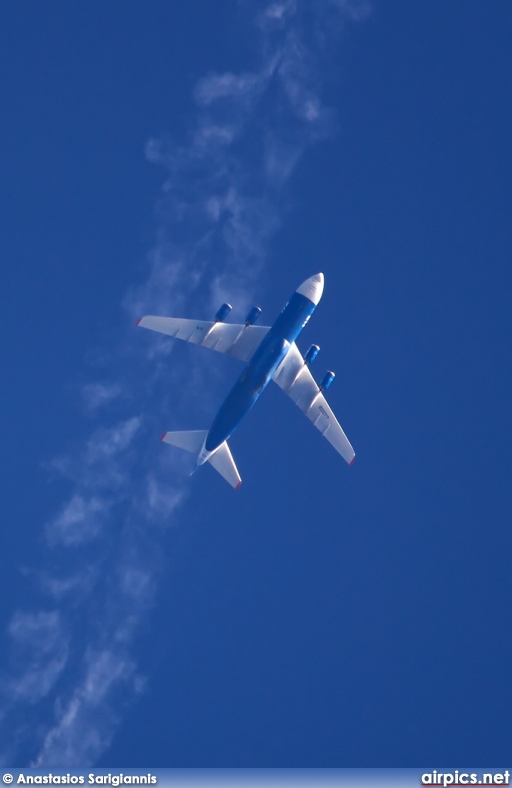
x,y
163,436
238,485
352,461
138,321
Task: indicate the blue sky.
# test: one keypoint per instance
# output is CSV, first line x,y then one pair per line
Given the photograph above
x,y
162,158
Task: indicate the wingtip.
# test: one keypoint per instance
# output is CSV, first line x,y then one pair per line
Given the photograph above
x,y
137,322
352,460
238,485
163,436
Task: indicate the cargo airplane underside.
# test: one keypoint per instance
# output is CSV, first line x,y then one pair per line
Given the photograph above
x,y
270,353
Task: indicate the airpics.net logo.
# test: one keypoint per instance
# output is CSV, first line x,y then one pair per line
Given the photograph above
x,y
465,778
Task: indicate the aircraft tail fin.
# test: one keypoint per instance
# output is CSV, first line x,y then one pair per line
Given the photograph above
x,y
224,464
191,440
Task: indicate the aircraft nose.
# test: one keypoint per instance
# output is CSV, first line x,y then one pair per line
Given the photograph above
x,y
312,288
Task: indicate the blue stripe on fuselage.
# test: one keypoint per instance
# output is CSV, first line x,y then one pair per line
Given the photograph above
x,y
260,369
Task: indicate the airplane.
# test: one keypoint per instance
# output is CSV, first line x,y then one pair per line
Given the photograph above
x,y
270,353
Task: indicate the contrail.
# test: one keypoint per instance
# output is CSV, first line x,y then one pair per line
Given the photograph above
x,y
70,671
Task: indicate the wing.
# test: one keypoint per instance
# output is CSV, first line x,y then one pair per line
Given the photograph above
x,y
295,379
234,340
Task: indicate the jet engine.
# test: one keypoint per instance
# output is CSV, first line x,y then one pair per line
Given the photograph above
x,y
253,316
312,353
326,381
223,313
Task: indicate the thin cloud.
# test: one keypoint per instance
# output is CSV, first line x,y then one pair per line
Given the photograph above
x,y
73,588
86,722
241,88
78,522
97,395
220,206
39,653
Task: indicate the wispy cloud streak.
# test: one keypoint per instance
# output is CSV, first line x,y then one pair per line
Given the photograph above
x,y
222,201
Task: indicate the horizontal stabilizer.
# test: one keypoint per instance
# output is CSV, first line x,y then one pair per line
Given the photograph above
x,y
191,440
223,462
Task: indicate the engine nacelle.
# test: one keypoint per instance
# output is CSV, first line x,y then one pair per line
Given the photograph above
x,y
223,313
253,316
312,353
327,381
